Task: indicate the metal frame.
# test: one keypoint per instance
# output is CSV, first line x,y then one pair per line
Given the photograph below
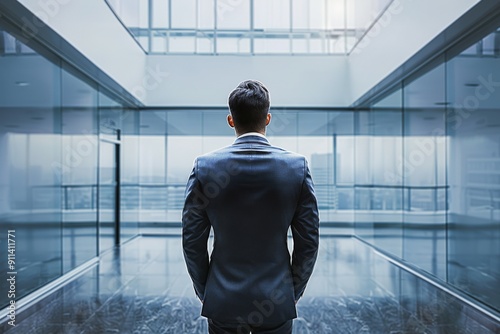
x,y
117,145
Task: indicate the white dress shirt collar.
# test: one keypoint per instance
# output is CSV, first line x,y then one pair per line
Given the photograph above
x,y
252,134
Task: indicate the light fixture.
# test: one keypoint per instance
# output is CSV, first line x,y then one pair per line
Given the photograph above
x,y
22,83
442,103
471,85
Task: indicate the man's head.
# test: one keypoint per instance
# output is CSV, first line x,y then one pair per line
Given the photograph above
x,y
249,106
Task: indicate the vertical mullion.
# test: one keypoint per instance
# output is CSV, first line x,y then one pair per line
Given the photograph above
x,y
406,192
216,18
169,23
446,164
290,12
309,26
252,27
325,28
346,52
117,192
197,27
150,25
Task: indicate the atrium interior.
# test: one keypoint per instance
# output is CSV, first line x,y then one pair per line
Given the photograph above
x,y
105,104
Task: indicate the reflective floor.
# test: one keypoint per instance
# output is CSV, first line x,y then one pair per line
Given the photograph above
x,y
143,287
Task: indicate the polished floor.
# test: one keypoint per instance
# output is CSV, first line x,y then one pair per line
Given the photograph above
x,y
143,287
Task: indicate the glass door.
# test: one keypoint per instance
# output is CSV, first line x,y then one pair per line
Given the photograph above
x,y
109,193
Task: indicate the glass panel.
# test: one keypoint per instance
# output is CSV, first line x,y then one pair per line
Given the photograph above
x,y
300,45
204,43
152,167
129,176
317,45
474,174
233,14
30,170
107,195
133,13
111,118
272,45
160,12
190,133
387,194
319,153
206,14
181,44
79,174
424,170
159,42
233,45
184,13
7,43
363,176
362,15
272,14
144,42
335,18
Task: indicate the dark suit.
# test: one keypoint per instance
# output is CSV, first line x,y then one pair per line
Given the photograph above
x,y
250,193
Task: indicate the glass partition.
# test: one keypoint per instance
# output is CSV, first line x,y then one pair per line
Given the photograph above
x,y
171,140
49,144
433,149
473,125
379,178
30,179
424,170
79,168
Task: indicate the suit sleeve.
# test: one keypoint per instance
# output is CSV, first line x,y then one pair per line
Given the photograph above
x,y
305,232
195,233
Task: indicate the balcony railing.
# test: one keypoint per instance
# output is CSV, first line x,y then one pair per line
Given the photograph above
x,y
171,197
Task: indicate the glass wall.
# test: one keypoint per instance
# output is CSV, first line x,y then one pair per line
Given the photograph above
x,y
424,171
473,124
50,141
428,170
379,175
79,168
31,185
171,140
129,175
250,27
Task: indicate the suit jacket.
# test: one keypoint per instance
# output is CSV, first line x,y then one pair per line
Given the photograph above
x,y
250,193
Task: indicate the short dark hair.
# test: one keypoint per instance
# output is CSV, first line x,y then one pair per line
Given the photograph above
x,y
249,105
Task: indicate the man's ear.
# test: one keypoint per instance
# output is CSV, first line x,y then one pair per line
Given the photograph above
x,y
230,121
268,119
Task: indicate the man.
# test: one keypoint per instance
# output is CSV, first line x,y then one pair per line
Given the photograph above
x,y
250,193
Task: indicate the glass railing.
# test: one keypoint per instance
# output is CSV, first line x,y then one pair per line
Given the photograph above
x,y
171,197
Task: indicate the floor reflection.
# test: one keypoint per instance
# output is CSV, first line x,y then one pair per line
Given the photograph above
x,y
143,287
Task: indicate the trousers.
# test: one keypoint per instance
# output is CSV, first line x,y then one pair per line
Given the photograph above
x,y
215,327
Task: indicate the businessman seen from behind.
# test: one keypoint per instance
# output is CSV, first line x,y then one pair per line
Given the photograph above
x,y
250,193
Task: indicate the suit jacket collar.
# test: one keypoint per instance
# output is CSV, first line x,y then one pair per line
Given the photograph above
x,y
251,140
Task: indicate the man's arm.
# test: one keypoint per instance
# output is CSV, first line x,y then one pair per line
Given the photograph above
x,y
305,231
195,233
